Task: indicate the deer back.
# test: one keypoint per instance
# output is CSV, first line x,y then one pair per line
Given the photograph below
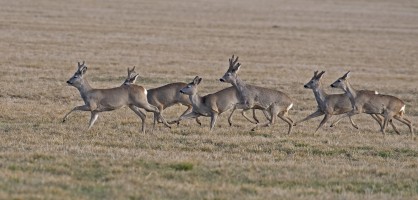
x,y
168,95
222,100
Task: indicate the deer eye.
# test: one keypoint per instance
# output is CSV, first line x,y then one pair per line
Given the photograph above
x,y
339,80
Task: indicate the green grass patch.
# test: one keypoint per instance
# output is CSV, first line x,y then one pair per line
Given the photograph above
x,y
183,166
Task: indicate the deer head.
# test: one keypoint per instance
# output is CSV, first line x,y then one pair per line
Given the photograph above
x,y
231,73
77,78
342,82
191,88
132,77
315,81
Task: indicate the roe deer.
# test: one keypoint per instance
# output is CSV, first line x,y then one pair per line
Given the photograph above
x,y
164,96
388,106
210,105
331,104
169,95
276,103
99,100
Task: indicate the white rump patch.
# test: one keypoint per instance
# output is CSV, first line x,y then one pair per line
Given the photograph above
x,y
375,92
289,107
145,91
402,109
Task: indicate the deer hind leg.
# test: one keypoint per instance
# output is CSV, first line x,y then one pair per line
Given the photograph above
x,y
287,119
406,122
313,115
140,115
151,108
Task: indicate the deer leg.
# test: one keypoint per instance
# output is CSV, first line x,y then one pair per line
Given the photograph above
x,y
140,115
325,119
349,114
184,117
151,108
266,114
255,117
394,127
287,120
313,115
246,117
213,118
385,123
82,108
351,121
93,118
378,119
406,122
273,112
230,116
197,118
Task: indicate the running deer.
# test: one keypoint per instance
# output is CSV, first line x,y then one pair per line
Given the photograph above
x,y
389,106
276,103
100,100
164,96
210,105
331,104
169,95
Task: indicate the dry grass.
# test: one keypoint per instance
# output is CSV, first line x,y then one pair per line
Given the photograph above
x,y
280,44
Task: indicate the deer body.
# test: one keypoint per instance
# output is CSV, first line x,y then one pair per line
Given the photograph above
x,y
389,106
210,105
330,104
100,100
276,103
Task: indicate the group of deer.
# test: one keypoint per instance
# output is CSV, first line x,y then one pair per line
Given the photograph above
x,y
241,96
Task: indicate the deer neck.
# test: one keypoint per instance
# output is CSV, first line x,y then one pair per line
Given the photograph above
x,y
320,94
351,92
196,100
84,89
239,85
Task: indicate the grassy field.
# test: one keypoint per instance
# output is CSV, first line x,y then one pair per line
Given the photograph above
x,y
280,44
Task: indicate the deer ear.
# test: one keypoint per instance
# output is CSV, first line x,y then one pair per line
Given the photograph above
x,y
236,68
319,76
346,75
198,81
133,80
83,70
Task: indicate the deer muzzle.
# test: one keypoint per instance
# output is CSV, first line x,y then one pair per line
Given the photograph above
x,y
222,80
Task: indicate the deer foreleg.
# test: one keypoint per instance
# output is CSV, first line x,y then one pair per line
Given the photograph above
x,y
93,118
82,108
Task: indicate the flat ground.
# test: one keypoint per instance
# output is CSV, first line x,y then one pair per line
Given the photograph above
x,y
280,44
